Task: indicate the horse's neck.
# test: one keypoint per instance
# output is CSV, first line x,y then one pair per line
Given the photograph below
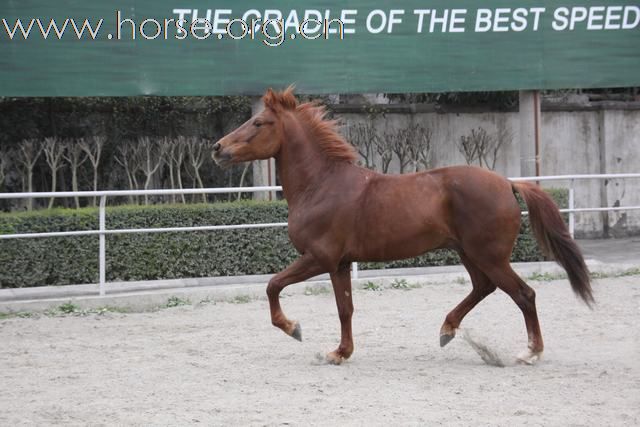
x,y
303,167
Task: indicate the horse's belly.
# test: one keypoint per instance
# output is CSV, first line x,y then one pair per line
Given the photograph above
x,y
385,246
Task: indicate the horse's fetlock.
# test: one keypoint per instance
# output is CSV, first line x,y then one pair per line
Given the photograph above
x,y
450,322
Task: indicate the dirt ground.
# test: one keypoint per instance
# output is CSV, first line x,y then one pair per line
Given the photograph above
x,y
224,364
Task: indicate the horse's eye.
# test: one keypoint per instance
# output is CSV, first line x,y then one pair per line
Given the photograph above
x,y
257,124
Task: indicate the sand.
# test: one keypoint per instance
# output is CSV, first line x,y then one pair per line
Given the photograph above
x,y
224,364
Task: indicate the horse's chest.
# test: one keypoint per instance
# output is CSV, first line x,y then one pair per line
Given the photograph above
x,y
296,223
298,230
305,228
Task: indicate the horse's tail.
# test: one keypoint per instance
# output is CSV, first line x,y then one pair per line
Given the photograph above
x,y
554,237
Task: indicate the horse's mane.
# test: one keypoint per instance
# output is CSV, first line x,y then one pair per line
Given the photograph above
x,y
315,116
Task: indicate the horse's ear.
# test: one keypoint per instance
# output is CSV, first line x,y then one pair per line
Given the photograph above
x,y
280,100
269,99
289,100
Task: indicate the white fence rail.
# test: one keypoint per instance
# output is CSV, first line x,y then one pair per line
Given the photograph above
x,y
102,231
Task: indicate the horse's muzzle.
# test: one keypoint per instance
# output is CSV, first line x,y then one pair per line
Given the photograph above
x,y
222,159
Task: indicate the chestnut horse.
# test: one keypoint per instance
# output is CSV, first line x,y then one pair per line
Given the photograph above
x,y
340,213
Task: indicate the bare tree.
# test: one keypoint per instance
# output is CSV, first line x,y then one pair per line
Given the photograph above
x,y
174,159
53,154
400,146
503,137
482,147
169,147
93,148
152,153
179,160
196,153
4,165
384,148
419,146
129,158
473,146
244,173
29,152
75,157
363,136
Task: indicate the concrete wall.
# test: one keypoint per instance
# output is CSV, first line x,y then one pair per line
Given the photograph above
x,y
572,142
621,154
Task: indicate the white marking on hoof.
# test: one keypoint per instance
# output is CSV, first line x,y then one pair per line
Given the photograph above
x,y
334,358
528,357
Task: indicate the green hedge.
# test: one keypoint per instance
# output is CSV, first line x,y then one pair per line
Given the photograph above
x,y
73,260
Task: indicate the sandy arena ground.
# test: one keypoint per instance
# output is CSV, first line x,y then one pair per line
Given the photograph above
x,y
224,364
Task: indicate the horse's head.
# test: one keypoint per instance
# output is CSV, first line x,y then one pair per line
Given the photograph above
x,y
261,136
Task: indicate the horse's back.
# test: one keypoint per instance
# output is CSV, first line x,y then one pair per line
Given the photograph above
x,y
445,207
471,187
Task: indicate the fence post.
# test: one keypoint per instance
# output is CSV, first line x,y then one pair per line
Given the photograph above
x,y
354,270
572,219
102,254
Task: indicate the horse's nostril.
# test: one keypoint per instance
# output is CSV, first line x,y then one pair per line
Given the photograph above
x,y
216,147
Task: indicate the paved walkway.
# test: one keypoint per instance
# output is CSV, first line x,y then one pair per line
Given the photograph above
x,y
612,250
603,256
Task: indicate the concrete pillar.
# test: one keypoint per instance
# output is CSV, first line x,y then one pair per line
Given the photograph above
x,y
529,133
264,171
602,169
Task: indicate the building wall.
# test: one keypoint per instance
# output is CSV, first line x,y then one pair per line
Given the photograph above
x,y
621,137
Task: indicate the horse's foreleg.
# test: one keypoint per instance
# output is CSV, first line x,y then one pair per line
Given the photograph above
x,y
302,269
341,281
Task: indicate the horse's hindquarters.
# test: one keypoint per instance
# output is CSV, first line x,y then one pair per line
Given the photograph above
x,y
485,216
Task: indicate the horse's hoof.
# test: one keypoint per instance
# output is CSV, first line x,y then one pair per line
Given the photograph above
x,y
297,332
445,339
529,357
334,358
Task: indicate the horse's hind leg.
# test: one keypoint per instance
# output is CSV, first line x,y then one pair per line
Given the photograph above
x,y
525,298
482,287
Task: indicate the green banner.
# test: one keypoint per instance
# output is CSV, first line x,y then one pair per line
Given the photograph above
x,y
206,47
